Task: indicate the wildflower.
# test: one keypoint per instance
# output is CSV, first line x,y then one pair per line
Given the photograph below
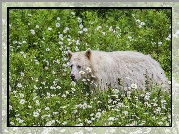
x,y
64,123
49,28
79,19
32,31
138,20
85,29
29,14
103,33
80,26
159,43
21,95
89,122
35,114
73,83
134,86
35,87
111,118
19,85
22,74
88,69
22,101
81,72
58,87
10,107
57,24
158,110
169,82
47,49
111,29
147,96
125,112
98,115
98,27
92,114
115,91
58,18
80,32
129,37
140,26
84,105
47,108
73,13
37,102
54,113
142,23
37,26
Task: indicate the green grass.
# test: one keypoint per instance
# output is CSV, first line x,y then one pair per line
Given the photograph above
x,y
40,87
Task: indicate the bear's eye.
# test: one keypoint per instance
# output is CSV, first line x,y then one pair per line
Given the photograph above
x,y
71,66
79,66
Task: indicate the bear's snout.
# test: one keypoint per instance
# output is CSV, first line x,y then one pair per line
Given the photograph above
x,y
72,77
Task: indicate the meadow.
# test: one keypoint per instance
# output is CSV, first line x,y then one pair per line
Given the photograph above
x,y
40,89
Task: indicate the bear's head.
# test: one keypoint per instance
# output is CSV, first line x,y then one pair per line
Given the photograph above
x,y
80,65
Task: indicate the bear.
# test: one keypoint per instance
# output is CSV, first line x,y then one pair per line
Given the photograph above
x,y
125,69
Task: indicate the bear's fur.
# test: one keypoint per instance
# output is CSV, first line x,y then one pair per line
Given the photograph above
x,y
118,68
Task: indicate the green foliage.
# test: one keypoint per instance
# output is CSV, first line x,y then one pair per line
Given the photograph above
x,y
41,91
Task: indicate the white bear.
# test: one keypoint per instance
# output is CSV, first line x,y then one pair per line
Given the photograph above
x,y
116,69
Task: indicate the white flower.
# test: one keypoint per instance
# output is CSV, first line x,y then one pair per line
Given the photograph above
x,y
169,82
73,13
84,105
47,108
134,86
22,101
103,33
98,115
21,95
37,102
79,19
125,112
142,23
111,118
80,26
80,32
32,31
49,28
35,114
29,14
22,74
37,26
159,43
19,85
73,83
58,87
111,29
138,20
81,72
88,69
64,123
85,29
60,42
58,18
57,24
47,49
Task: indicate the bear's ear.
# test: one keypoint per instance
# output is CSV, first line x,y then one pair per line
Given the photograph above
x,y
69,54
88,53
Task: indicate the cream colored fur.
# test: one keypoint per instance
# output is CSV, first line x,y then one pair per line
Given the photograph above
x,y
118,68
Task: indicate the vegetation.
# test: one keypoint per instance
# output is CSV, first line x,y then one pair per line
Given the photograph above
x,y
41,93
